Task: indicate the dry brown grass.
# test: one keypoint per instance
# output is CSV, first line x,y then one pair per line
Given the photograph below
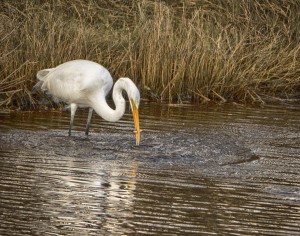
x,y
231,50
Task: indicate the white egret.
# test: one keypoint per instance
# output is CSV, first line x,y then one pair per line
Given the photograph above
x,y
83,83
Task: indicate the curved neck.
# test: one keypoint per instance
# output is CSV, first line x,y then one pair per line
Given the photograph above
x,y
99,104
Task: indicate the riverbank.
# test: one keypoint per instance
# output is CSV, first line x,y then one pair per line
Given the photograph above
x,y
241,51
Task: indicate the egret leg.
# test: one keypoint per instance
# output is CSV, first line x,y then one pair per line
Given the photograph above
x,y
73,111
87,128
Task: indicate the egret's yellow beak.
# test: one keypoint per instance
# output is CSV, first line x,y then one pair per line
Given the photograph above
x,y
135,113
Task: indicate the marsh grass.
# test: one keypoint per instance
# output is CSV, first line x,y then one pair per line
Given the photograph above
x,y
231,50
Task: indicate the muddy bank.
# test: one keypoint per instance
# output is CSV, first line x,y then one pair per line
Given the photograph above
x,y
212,152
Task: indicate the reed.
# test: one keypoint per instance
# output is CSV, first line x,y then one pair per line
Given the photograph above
x,y
231,50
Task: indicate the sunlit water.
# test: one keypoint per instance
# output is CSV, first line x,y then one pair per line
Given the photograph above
x,y
200,170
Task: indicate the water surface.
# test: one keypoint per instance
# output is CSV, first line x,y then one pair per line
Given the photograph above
x,y
200,170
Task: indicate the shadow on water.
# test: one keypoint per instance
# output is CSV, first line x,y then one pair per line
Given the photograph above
x,y
199,170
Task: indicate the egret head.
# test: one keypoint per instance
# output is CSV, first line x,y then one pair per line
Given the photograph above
x,y
134,99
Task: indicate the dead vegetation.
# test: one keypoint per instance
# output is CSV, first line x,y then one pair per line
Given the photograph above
x,y
232,50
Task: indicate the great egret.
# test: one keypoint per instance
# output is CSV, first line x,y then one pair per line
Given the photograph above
x,y
83,83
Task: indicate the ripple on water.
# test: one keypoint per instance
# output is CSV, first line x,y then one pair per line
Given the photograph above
x,y
221,171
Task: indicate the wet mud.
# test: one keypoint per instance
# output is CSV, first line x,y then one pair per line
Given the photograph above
x,y
208,152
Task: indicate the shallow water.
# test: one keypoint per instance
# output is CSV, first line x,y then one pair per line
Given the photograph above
x,y
202,170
